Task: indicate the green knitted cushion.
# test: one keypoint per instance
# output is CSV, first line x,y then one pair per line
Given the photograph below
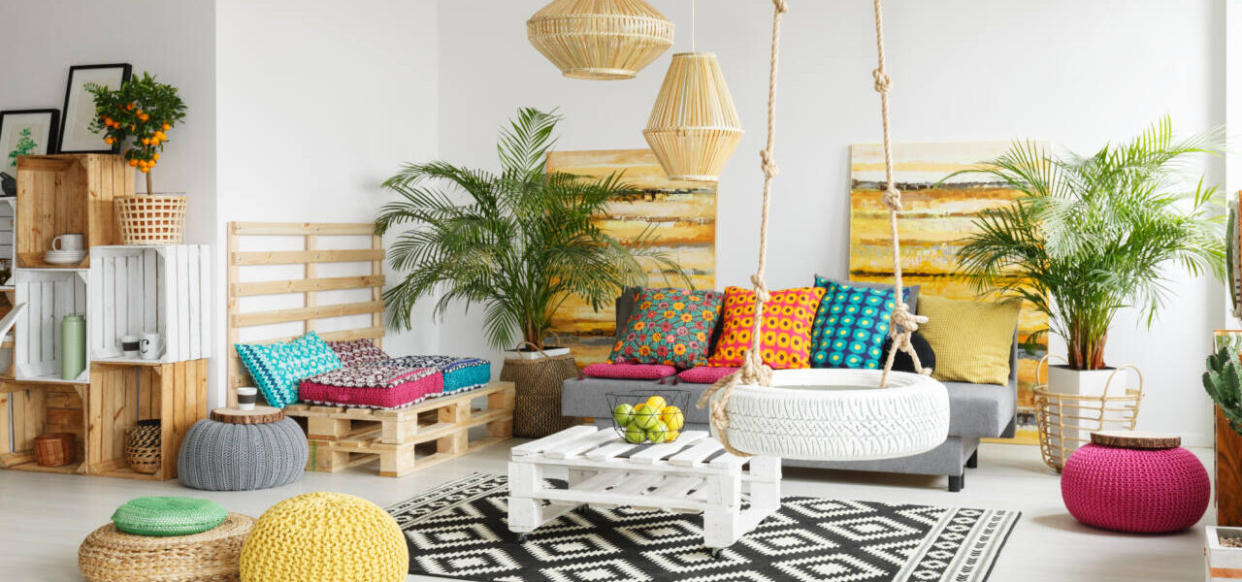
x,y
168,516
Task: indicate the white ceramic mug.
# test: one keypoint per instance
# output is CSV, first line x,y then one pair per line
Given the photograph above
x,y
246,397
151,346
129,346
68,243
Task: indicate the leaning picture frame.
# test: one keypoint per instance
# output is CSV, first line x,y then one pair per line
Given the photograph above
x,y
26,132
76,136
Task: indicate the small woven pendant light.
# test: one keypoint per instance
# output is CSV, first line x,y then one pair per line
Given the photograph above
x,y
600,39
694,126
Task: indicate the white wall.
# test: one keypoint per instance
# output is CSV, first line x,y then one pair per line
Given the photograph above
x,y
1077,73
320,102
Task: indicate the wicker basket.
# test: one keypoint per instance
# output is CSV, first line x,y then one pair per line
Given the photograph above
x,y
537,403
1066,421
142,447
109,555
152,219
54,449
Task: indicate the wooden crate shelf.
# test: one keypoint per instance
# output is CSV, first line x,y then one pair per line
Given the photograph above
x,y
28,410
408,439
162,289
49,295
64,194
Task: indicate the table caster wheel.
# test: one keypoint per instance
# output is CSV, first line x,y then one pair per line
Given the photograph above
x,y
522,537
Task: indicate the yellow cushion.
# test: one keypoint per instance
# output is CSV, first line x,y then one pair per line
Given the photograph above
x,y
971,339
325,537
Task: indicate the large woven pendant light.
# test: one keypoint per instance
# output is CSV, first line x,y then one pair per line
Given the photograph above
x,y
600,39
694,127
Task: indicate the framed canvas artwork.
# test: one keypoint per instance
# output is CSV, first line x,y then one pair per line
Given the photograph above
x,y
76,136
29,132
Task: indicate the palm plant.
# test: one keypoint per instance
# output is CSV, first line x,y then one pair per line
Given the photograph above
x,y
1091,235
522,243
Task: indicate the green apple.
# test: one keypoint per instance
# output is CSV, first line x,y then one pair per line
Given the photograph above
x,y
635,435
658,433
623,414
645,417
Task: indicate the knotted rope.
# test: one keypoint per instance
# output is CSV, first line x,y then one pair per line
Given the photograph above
x,y
753,370
902,323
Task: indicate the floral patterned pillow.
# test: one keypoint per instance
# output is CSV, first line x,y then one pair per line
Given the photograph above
x,y
672,327
787,318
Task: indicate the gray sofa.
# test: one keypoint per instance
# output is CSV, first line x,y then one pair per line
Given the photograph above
x,y
977,411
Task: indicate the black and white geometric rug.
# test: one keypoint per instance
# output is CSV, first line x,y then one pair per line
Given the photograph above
x,y
459,531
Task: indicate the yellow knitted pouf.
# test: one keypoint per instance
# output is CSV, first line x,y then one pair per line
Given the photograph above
x,y
325,537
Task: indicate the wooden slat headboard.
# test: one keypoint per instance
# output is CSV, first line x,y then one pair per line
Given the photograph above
x,y
308,286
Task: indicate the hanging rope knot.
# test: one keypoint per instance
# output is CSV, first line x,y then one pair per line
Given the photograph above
x,y
782,6
882,81
905,322
770,169
761,288
892,199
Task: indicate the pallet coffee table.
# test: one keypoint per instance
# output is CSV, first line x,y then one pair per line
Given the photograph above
x,y
694,474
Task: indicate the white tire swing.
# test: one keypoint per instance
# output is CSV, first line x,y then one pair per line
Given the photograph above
x,y
829,414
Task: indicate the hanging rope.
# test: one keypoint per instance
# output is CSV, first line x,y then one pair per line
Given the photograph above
x,y
903,324
753,370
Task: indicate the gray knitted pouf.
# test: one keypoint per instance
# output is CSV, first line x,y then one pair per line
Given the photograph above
x,y
218,456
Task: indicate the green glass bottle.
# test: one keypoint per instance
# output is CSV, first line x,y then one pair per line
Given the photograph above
x,y
72,346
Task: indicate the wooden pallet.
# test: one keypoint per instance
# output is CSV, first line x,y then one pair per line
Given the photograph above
x,y
408,439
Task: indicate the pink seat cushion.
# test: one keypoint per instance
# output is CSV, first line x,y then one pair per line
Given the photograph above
x,y
388,384
705,374
1133,490
629,371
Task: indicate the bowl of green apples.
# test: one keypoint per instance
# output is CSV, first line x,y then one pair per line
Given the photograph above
x,y
654,417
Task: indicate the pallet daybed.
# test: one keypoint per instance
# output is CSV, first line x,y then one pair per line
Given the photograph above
x,y
285,279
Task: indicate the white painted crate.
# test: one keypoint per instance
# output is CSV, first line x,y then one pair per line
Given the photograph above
x,y
143,289
49,295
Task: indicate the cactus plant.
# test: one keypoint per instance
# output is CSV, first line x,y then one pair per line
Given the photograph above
x,y
1223,381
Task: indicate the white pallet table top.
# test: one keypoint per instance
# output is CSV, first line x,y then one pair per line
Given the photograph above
x,y
590,447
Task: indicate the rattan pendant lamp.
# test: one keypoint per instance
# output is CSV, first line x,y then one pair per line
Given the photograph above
x,y
694,127
600,39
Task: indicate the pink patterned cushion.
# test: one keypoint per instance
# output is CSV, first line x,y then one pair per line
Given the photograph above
x,y
1132,490
705,374
356,352
629,371
410,391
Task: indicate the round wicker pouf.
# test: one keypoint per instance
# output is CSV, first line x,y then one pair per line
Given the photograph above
x,y
1135,490
109,555
325,537
219,456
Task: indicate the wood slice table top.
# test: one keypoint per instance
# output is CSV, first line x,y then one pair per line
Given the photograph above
x,y
1130,439
259,415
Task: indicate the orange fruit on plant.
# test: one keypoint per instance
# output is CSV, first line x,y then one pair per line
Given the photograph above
x,y
146,141
165,127
144,116
155,156
133,163
144,170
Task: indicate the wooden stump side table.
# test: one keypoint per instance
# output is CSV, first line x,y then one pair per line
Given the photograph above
x,y
693,474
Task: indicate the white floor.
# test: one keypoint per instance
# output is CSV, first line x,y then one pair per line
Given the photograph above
x,y
43,517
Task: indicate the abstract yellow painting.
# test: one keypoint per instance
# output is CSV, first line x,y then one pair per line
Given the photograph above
x,y
685,215
936,220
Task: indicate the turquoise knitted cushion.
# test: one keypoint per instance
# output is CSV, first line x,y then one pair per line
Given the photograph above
x,y
277,368
168,516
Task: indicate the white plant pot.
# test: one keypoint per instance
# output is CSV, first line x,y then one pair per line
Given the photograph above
x,y
1222,564
533,355
1066,380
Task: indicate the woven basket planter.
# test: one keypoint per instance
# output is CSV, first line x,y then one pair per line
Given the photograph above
x,y
1066,421
142,447
537,403
152,219
109,555
600,39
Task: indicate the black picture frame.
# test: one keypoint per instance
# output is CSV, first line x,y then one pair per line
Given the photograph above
x,y
69,142
49,141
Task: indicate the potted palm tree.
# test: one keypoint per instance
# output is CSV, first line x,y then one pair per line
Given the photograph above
x,y
517,242
1093,234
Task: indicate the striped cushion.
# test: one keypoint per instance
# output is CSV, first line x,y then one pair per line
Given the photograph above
x,y
277,368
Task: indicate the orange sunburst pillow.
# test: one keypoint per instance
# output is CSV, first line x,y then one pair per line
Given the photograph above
x,y
787,320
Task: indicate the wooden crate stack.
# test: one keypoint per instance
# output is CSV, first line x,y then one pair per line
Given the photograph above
x,y
122,290
407,439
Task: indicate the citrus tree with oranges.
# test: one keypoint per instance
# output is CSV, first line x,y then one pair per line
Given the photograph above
x,y
137,116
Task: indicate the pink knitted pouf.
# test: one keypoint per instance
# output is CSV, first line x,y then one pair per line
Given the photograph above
x,y
1135,490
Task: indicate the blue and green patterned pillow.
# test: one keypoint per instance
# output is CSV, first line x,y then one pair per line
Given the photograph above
x,y
851,325
278,368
